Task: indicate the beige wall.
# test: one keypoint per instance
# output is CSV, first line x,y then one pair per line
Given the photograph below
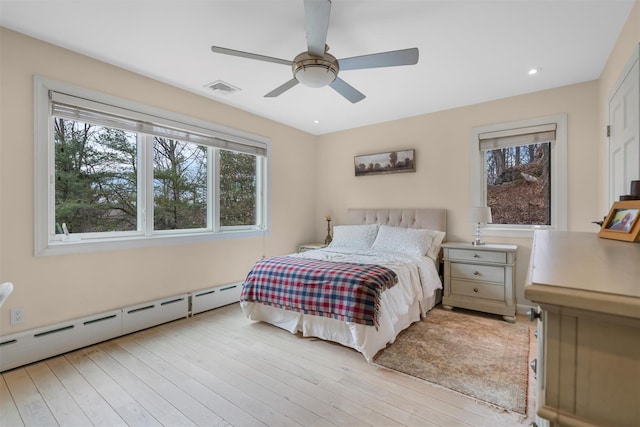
x,y
442,142
52,289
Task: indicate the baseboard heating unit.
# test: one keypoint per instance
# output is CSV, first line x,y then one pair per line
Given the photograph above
x,y
37,344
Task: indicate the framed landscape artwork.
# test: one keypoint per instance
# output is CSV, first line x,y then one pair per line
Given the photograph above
x,y
622,222
384,163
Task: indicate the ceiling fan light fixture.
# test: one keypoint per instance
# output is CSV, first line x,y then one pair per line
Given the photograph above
x,y
316,67
313,71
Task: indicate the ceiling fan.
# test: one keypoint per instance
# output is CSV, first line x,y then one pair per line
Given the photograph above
x,y
318,68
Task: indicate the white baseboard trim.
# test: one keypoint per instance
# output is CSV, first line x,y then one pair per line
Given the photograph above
x,y
37,344
208,299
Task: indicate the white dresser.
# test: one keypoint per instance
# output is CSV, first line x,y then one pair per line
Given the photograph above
x,y
480,278
588,365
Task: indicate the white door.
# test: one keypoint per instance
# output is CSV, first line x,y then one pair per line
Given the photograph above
x,y
624,142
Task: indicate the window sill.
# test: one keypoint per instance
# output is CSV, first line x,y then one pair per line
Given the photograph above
x,y
77,246
513,231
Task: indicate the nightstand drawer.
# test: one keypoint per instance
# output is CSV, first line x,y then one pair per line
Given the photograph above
x,y
475,272
478,256
477,290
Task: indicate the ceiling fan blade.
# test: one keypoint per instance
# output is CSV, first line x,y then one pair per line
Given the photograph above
x,y
282,88
232,52
317,22
346,90
383,59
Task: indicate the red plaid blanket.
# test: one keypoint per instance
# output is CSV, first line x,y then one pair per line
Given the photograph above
x,y
341,290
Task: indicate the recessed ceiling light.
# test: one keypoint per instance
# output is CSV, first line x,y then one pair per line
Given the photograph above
x,y
316,121
534,71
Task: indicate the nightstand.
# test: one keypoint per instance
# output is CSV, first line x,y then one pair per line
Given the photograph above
x,y
480,278
311,246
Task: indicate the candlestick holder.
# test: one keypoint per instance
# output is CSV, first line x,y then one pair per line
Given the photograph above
x,y
328,239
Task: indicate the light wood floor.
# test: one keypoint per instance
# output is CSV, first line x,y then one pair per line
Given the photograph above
x,y
220,369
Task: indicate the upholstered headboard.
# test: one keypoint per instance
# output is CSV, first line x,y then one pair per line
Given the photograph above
x,y
430,218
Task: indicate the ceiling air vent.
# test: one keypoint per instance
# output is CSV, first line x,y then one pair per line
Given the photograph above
x,y
222,88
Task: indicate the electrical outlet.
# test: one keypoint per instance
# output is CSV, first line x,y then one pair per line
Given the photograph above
x,y
17,316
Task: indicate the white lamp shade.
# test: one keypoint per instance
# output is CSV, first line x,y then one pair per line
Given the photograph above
x,y
315,75
480,215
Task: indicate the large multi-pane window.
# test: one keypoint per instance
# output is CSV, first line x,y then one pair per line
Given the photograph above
x,y
519,171
238,187
95,182
180,185
123,173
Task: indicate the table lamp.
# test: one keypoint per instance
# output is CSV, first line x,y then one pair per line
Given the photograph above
x,y
479,215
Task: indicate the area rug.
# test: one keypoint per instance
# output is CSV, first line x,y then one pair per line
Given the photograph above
x,y
482,357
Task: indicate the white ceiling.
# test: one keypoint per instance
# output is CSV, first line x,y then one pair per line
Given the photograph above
x,y
470,51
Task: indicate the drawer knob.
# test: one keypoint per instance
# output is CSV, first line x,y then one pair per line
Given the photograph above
x,y
476,256
476,273
533,314
475,289
535,334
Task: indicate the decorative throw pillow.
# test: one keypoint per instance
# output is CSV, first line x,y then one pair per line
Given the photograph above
x,y
354,236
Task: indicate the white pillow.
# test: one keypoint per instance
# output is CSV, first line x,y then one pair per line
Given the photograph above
x,y
411,241
354,236
438,237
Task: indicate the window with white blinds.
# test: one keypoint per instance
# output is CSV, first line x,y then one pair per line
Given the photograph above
x,y
111,173
89,111
517,137
518,169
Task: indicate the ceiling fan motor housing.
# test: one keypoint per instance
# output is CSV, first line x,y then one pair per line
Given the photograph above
x,y
313,71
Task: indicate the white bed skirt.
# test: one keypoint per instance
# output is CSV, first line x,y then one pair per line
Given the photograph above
x,y
365,339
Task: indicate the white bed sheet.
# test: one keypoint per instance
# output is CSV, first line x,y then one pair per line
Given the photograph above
x,y
405,303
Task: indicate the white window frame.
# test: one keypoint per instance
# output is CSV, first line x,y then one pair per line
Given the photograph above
x,y
45,241
478,176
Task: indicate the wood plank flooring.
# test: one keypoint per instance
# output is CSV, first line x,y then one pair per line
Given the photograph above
x,y
220,369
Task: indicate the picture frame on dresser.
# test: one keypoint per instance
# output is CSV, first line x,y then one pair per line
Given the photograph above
x,y
622,222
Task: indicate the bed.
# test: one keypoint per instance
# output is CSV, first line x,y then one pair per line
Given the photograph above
x,y
401,250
